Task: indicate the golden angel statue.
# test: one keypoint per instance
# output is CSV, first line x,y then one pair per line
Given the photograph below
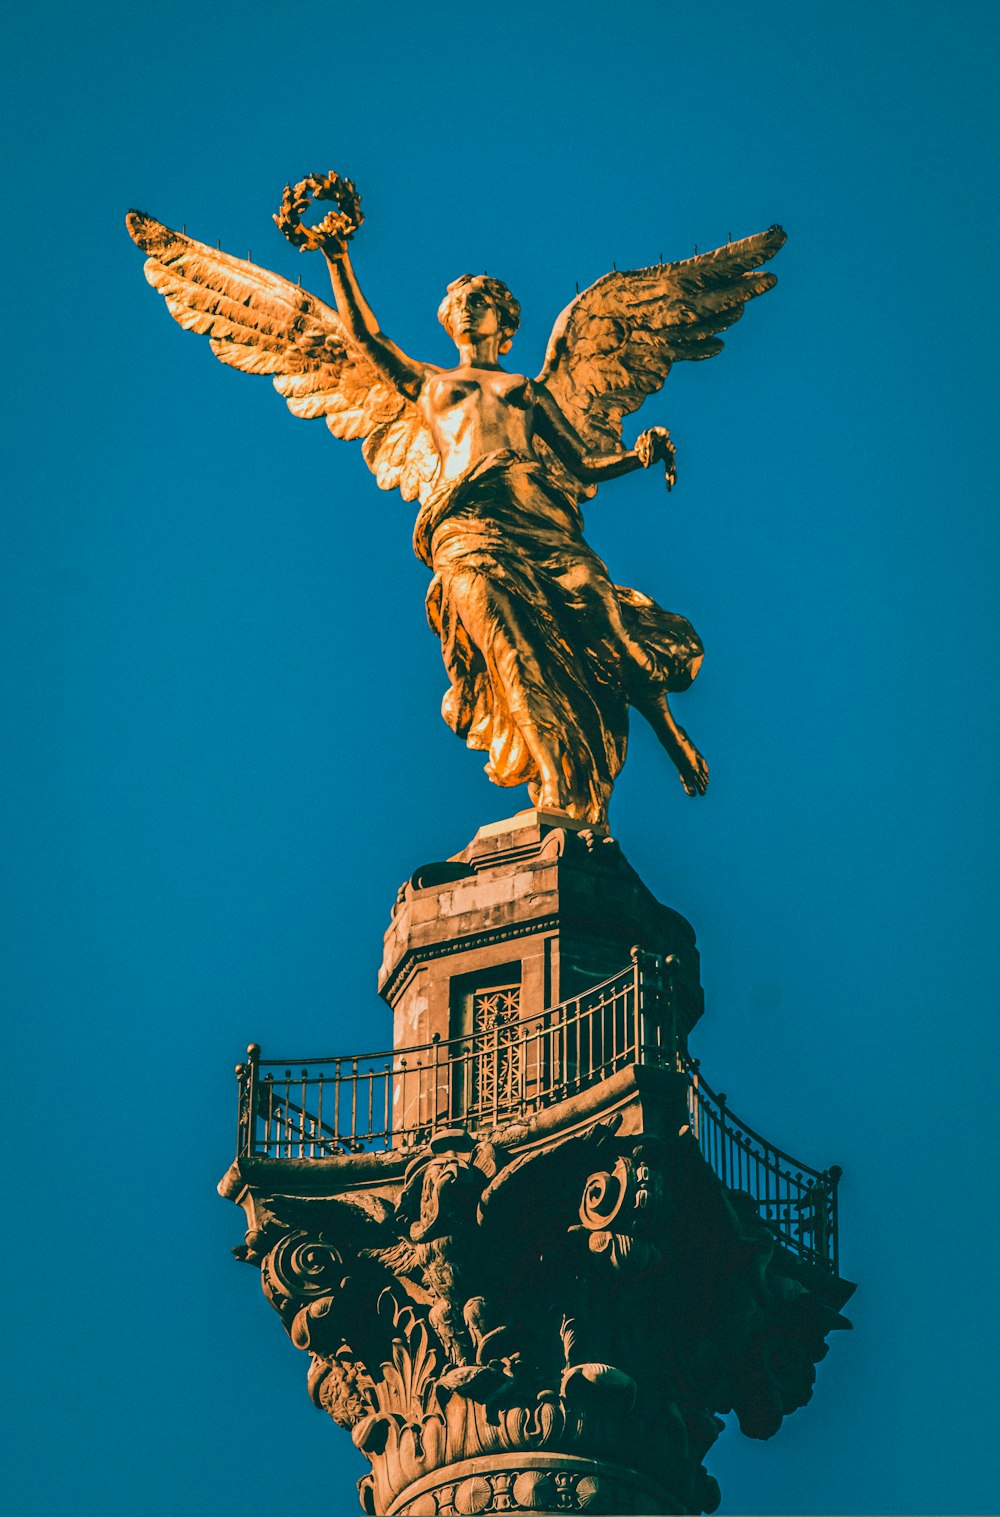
x,y
544,653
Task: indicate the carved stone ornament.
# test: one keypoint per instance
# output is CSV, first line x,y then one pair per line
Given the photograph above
x,y
550,1331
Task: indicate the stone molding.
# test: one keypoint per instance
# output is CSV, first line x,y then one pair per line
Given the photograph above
x,y
395,982
537,1483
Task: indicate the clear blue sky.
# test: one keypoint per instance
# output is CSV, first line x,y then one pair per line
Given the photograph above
x,y
223,750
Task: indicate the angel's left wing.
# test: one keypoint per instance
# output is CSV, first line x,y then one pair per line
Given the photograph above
x,y
263,324
616,342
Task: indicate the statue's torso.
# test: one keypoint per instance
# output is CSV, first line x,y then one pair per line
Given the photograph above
x,y
474,412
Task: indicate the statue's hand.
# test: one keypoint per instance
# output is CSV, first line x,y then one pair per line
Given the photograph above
x,y
331,246
655,444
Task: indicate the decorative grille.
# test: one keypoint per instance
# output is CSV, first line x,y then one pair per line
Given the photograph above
x,y
496,1082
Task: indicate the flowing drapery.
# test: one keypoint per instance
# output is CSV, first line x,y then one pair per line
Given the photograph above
x,y
543,653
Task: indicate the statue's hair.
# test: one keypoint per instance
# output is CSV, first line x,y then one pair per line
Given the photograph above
x,y
508,309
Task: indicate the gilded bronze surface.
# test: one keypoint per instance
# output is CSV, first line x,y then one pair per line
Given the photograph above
x,y
545,654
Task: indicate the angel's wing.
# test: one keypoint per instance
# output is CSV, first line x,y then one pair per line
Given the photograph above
x,y
615,343
263,324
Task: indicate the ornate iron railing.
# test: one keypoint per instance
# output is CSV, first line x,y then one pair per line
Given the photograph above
x,y
396,1098
799,1202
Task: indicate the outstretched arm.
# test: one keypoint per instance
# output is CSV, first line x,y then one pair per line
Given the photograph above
x,y
590,467
403,373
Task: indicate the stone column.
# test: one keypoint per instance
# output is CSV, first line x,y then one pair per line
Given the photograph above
x,y
544,1308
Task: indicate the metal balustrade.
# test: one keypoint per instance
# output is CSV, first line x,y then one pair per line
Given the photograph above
x,y
397,1098
799,1202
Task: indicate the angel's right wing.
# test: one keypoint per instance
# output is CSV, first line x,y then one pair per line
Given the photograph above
x,y
263,324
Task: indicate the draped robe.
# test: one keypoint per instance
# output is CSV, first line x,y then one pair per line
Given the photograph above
x,y
538,643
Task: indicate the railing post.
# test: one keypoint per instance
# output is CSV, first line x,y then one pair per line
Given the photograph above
x,y
435,1108
723,1140
251,1075
242,1108
522,1066
694,1099
835,1173
637,992
469,1089
670,980
496,1070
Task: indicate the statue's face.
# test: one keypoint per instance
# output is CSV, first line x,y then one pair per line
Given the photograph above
x,y
473,315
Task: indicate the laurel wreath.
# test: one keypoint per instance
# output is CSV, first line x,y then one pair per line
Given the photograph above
x,y
339,224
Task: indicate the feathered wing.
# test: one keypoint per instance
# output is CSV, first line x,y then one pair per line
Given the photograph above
x,y
263,324
615,343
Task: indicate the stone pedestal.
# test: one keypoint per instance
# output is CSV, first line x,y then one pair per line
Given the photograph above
x,y
541,1301
537,910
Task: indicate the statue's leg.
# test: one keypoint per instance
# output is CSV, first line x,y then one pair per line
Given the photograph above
x,y
586,584
643,679
690,764
513,653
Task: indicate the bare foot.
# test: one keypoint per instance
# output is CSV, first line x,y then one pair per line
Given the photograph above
x,y
691,766
545,791
549,797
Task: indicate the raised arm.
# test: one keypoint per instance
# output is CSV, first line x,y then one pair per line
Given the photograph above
x,y
590,467
402,372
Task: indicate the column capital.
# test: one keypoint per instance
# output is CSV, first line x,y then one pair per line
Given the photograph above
x,y
555,1328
